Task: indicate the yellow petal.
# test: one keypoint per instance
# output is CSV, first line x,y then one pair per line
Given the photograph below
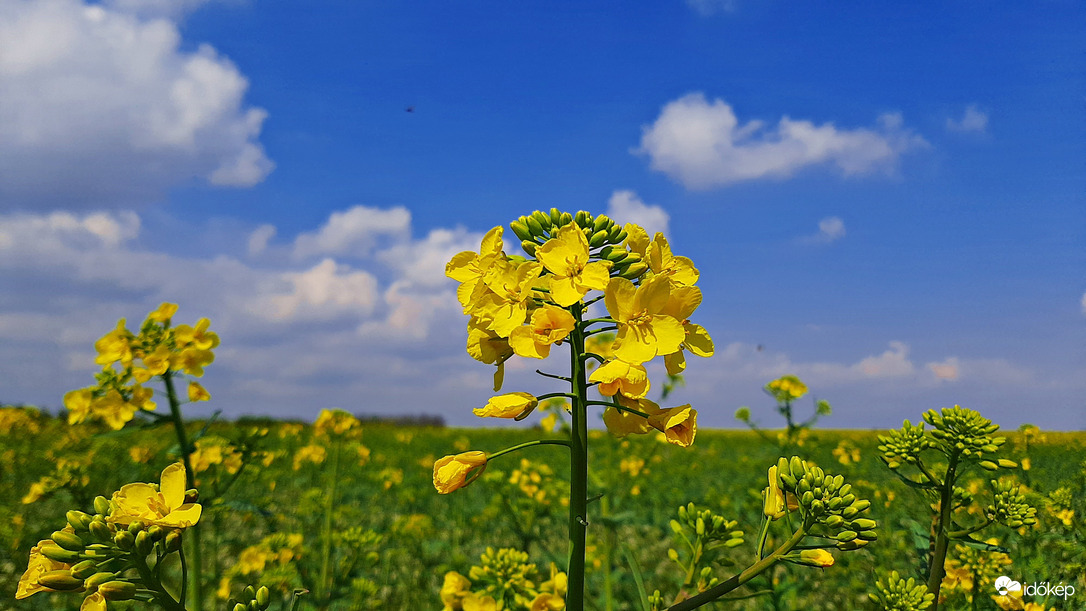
x,y
94,602
492,242
173,485
637,239
675,363
460,267
595,276
523,343
698,340
182,517
668,334
621,424
564,290
682,301
509,405
619,299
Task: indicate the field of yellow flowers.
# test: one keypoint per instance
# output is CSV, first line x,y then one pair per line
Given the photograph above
x,y
355,520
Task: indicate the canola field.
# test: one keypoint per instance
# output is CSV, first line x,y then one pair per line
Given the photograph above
x,y
355,518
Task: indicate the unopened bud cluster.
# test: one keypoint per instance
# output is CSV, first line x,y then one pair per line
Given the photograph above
x,y
704,523
253,599
963,431
826,500
602,233
897,594
903,445
1009,506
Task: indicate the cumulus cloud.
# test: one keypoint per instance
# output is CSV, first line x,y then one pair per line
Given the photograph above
x,y
830,229
258,239
354,232
948,369
102,107
972,121
325,291
703,145
626,207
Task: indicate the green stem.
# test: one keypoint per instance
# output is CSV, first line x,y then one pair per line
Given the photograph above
x,y
190,483
942,540
735,581
325,583
578,486
526,444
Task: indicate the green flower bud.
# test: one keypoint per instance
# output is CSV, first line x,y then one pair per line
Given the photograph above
x,y
598,239
534,228
529,247
263,595
621,237
135,527
868,535
989,465
797,468
834,521
634,271
98,579
863,524
55,552
61,580
861,504
241,607
1007,464
565,219
847,535
674,555
807,498
676,527
84,569
125,540
520,229
172,542
101,506
117,590
556,216
603,222
100,530
699,526
68,541
582,218
156,532
144,543
78,520
614,233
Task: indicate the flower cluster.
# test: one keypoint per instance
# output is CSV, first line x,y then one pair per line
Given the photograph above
x,y
504,579
824,501
524,305
130,360
105,555
898,594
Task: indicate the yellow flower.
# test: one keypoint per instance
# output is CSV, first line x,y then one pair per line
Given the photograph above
x,y
468,267
198,393
681,303
549,422
451,472
504,306
312,453
566,256
154,364
617,376
37,490
509,405
621,423
680,271
338,422
474,602
549,325
643,330
192,360
548,602
163,505
637,239
94,602
455,588
678,424
38,566
78,404
198,337
488,347
786,388
115,346
164,313
773,505
816,557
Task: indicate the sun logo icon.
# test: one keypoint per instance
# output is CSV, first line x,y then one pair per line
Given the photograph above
x,y
1005,584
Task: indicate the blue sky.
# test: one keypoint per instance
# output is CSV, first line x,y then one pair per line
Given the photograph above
x,y
886,200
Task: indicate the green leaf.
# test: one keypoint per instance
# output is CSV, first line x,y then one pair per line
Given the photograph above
x,y
638,578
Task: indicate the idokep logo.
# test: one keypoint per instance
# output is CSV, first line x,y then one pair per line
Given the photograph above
x,y
1005,585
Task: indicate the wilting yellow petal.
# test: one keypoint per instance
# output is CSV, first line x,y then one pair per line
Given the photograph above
x,y
451,472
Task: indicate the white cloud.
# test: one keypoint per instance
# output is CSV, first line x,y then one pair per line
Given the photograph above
x,y
354,232
972,121
325,291
626,207
169,9
258,239
830,229
1083,304
103,107
948,369
703,145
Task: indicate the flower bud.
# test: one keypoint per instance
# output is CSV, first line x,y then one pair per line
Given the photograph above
x,y
699,526
69,541
634,271
101,505
674,555
144,543
55,552
117,590
172,542
125,540
263,595
135,527
241,607
847,535
1007,464
529,247
61,580
565,219
534,228
601,223
868,535
520,228
100,530
249,593
582,218
156,532
989,465
863,524
192,495
98,579
555,215
78,520
84,569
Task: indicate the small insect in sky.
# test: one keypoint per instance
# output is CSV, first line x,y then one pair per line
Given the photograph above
x,y
409,109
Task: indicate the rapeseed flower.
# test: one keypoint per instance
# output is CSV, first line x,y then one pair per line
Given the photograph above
x,y
786,389
509,405
468,267
680,271
566,257
38,566
681,303
451,472
548,325
678,424
618,376
115,346
196,337
163,505
198,392
644,331
511,286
